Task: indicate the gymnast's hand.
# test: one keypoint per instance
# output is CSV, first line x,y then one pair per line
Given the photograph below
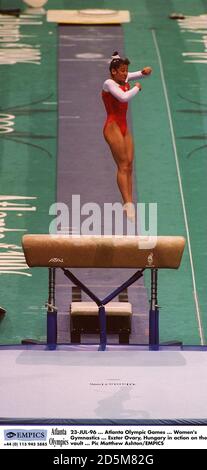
x,y
138,85
146,70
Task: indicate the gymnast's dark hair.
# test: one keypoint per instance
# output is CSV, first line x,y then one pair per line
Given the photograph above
x,y
117,61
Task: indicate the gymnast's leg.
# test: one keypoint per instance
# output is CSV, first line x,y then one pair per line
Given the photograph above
x,y
123,158
129,146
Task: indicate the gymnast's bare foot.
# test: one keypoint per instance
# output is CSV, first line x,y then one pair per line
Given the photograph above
x,y
129,210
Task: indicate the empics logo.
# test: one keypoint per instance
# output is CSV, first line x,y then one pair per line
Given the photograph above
x,y
10,434
25,434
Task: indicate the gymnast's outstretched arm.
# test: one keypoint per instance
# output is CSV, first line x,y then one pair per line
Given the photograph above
x,y
139,74
124,96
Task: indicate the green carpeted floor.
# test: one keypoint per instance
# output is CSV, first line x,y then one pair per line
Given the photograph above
x,y
27,166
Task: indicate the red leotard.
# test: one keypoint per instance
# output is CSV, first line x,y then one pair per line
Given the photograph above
x,y
116,110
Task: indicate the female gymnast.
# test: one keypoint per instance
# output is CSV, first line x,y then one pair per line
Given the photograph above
x,y
115,94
